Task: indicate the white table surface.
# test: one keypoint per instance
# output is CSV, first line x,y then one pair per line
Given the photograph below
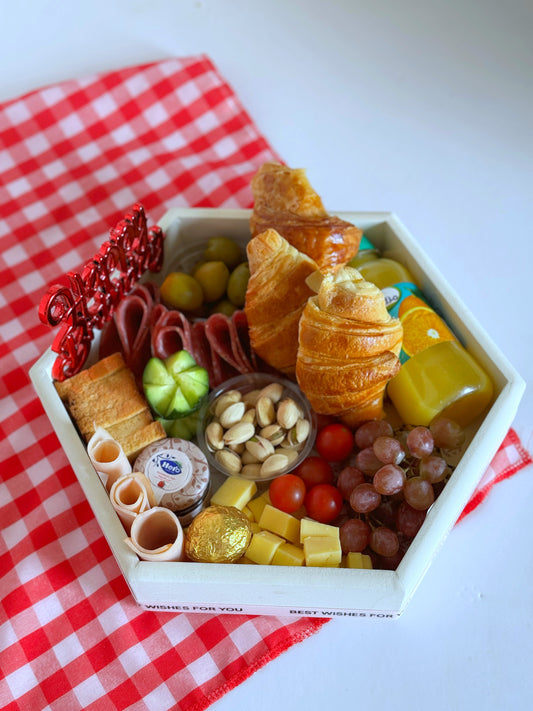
x,y
425,109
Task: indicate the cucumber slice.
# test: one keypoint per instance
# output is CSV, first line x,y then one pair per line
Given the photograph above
x,y
179,406
194,385
159,396
175,387
157,373
178,362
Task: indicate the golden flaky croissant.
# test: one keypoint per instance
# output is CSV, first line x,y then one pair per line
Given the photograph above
x,y
285,201
275,297
348,348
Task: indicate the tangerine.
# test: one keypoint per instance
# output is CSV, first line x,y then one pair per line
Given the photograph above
x,y
422,328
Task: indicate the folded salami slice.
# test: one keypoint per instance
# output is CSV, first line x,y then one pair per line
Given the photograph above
x,y
219,370
201,350
222,336
128,331
171,333
240,333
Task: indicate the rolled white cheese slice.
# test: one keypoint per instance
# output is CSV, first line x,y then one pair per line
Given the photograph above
x,y
157,535
130,495
107,457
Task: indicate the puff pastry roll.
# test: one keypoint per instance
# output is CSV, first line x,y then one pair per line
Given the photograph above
x,y
348,348
275,297
284,200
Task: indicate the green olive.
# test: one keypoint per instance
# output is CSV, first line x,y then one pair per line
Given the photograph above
x,y
237,283
224,306
182,291
223,249
213,278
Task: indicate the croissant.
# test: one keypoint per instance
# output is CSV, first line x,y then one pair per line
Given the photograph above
x,y
275,298
285,201
348,348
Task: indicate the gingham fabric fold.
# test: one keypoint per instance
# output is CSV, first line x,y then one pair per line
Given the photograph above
x,y
74,157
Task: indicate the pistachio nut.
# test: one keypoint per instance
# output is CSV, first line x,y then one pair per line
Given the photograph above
x,y
228,460
239,433
250,398
274,433
288,413
265,411
214,436
274,391
260,448
299,433
249,416
248,458
224,400
251,470
238,448
232,414
292,455
274,464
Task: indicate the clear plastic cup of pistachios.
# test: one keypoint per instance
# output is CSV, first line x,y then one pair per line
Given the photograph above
x,y
256,426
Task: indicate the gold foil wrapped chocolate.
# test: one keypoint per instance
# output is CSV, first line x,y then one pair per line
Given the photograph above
x,y
218,534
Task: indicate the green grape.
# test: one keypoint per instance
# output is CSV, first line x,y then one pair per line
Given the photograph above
x,y
213,278
223,249
224,306
182,291
237,284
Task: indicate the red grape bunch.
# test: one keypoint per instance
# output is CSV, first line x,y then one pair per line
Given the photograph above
x,y
393,481
376,484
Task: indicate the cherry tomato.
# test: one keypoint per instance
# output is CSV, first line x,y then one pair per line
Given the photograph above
x,y
287,492
323,502
313,471
334,442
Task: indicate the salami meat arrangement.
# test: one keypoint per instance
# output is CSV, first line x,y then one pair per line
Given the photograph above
x,y
142,327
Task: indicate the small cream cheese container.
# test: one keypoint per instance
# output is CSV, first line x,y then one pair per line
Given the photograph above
x,y
179,474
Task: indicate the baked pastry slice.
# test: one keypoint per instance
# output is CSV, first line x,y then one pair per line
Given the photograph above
x,y
285,201
275,297
106,395
348,348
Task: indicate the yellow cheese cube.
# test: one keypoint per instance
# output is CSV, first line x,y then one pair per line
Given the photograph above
x,y
249,515
245,561
255,527
288,554
358,560
257,505
262,547
308,527
276,521
322,551
235,491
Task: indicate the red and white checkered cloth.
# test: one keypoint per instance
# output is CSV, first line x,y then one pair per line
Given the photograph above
x,y
73,159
